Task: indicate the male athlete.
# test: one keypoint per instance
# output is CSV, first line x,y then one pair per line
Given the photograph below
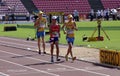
x,y
68,29
40,25
54,37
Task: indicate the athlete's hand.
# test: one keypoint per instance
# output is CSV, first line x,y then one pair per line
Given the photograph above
x,y
76,29
65,32
46,27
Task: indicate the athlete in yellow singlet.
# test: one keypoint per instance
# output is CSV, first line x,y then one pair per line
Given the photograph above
x,y
69,27
40,25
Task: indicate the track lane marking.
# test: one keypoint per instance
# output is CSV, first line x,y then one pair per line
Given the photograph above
x,y
52,74
84,70
25,41
3,74
17,44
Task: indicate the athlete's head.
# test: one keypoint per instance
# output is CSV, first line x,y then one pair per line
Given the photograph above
x,y
40,13
70,17
54,19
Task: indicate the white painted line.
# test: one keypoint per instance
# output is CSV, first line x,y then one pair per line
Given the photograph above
x,y
60,70
14,39
16,70
26,66
23,74
3,74
94,68
101,74
52,74
11,43
84,70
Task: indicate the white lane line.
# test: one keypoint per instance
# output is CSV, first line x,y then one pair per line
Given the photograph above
x,y
17,44
84,70
14,39
3,74
92,72
52,74
60,70
24,74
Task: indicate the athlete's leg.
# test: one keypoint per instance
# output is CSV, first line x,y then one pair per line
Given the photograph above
x,y
66,56
39,46
51,50
43,45
39,41
57,50
70,43
70,50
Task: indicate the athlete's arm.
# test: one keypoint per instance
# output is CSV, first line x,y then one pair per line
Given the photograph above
x,y
59,31
36,24
75,27
63,27
50,29
46,23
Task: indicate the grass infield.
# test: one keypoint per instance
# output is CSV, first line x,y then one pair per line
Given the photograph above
x,y
112,28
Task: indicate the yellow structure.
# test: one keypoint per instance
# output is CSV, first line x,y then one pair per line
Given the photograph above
x,y
110,57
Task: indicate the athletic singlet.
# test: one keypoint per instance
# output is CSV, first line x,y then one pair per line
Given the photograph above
x,y
70,29
54,30
41,25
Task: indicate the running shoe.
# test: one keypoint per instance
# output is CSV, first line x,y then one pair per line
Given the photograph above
x,y
66,57
39,51
44,52
58,59
52,60
74,58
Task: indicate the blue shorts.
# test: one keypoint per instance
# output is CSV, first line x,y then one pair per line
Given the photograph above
x,y
54,39
40,34
70,40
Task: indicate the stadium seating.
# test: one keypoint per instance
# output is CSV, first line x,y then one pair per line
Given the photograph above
x,y
66,6
111,3
19,7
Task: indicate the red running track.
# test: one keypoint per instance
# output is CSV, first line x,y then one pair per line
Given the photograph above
x,y
20,62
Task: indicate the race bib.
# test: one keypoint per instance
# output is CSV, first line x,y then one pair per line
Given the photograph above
x,y
55,34
70,32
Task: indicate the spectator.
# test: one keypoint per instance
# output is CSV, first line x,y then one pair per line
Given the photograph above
x,y
76,15
6,18
91,15
98,14
101,14
114,14
107,14
104,14
118,14
13,18
28,16
0,18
